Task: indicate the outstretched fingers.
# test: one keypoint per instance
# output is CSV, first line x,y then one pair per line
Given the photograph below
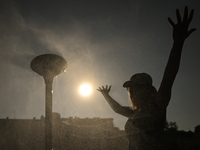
x,y
171,22
99,89
191,30
185,17
180,29
104,89
190,16
178,16
106,86
109,88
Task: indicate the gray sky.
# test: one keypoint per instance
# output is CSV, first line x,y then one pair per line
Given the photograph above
x,y
104,42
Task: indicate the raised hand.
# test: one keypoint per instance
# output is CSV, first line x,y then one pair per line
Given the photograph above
x,y
104,90
180,30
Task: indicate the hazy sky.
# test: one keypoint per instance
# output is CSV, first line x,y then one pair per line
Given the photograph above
x,y
103,42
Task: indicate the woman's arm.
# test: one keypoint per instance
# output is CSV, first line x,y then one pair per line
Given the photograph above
x,y
180,33
125,111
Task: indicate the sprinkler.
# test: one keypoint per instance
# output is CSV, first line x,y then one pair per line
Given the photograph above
x,y
48,66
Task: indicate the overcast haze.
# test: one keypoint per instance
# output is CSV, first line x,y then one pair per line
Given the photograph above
x,y
103,42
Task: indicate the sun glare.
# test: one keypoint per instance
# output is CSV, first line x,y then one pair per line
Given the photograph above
x,y
85,89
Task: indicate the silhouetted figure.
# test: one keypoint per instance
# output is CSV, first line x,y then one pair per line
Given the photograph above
x,y
147,115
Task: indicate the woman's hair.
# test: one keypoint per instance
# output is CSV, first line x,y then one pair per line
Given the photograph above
x,y
142,96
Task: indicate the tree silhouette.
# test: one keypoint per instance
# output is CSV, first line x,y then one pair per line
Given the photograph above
x,y
171,126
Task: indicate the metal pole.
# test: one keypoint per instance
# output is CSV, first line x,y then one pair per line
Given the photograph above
x,y
48,114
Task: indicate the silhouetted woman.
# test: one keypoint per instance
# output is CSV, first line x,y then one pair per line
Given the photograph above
x,y
147,115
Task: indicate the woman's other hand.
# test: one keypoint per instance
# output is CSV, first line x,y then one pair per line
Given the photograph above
x,y
180,30
104,90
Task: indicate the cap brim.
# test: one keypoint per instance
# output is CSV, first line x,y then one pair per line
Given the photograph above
x,y
127,84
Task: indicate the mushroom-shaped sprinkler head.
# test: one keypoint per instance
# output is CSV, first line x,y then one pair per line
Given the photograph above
x,y
48,65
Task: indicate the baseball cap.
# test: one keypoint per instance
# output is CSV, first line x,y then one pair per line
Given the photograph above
x,y
139,78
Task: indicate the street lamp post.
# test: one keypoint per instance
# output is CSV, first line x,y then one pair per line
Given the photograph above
x,y
48,66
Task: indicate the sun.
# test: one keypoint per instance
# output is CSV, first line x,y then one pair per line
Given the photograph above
x,y
85,89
